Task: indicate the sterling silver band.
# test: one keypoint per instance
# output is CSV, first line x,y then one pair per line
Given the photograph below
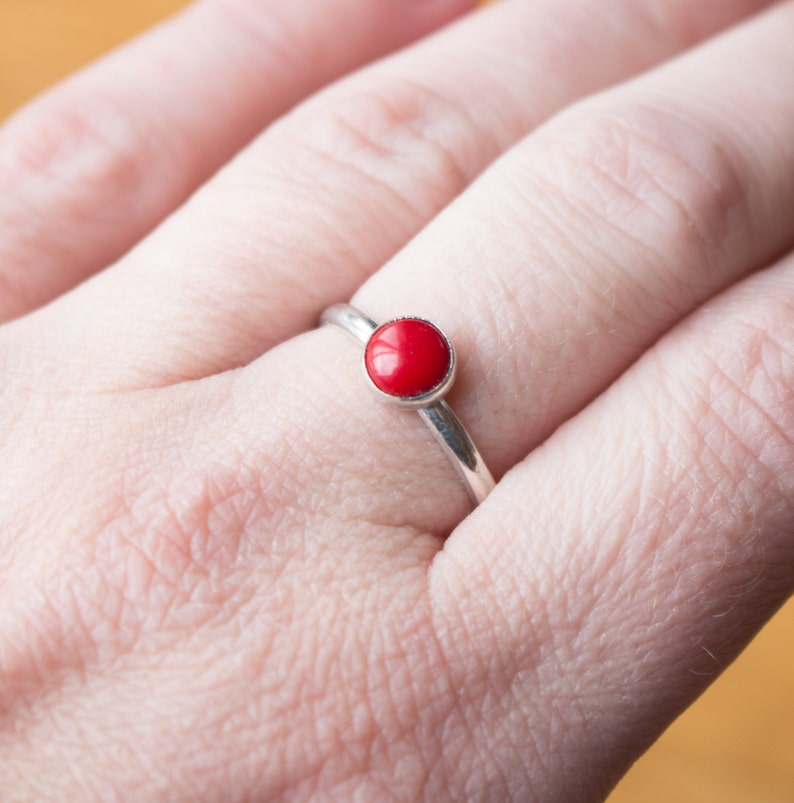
x,y
435,412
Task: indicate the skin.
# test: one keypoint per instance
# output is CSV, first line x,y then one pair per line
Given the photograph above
x,y
227,573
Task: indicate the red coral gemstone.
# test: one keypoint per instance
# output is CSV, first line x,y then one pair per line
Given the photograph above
x,y
407,358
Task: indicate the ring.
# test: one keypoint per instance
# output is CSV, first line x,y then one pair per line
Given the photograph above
x,y
410,363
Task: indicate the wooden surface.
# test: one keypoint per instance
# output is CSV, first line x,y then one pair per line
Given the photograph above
x,y
736,744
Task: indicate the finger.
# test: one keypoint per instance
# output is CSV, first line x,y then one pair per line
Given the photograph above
x,y
554,273
586,243
96,163
657,536
330,193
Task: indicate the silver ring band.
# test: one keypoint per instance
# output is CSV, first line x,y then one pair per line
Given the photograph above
x,y
426,400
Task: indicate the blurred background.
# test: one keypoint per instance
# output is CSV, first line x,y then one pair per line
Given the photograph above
x,y
736,744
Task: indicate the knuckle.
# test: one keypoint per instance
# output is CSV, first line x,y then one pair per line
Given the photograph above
x,y
397,136
80,139
644,170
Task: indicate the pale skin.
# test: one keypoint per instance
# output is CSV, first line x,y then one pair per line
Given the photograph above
x,y
227,572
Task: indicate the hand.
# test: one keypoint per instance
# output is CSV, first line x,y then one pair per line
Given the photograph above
x,y
228,573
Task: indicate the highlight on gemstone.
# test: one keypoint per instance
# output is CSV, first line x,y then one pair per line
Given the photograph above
x,y
407,358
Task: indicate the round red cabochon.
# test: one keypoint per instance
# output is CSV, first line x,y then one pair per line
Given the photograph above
x,y
407,358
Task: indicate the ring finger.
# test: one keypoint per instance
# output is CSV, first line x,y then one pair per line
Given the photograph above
x,y
556,271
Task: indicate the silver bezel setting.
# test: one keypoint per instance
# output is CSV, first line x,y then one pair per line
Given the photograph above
x,y
425,399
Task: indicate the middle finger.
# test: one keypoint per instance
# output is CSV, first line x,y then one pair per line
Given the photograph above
x,y
333,191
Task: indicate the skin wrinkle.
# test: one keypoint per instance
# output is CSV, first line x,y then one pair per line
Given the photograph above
x,y
380,130
93,144
21,692
732,179
522,284
215,707
455,715
369,716
92,138
520,291
392,667
457,632
455,729
317,163
753,341
621,148
57,638
596,251
665,521
378,137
